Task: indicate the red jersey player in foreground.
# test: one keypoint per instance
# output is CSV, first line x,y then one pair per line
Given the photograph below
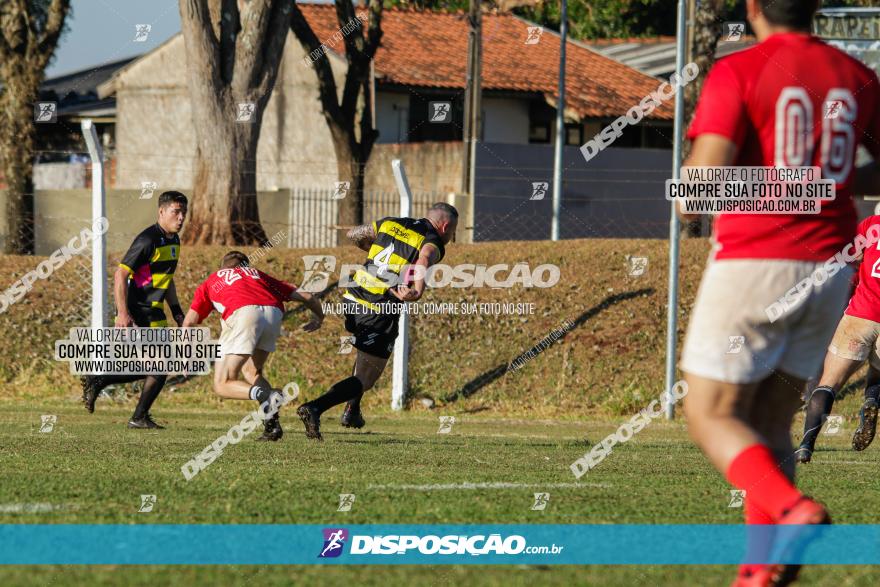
x,y
252,305
855,341
765,106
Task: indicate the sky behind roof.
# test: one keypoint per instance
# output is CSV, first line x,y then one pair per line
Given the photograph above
x,y
99,31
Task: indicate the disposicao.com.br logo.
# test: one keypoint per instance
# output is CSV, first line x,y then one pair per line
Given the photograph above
x,y
476,545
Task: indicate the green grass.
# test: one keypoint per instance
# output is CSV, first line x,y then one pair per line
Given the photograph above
x,y
620,345
523,427
94,470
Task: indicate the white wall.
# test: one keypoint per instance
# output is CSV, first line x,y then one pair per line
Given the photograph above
x,y
392,116
505,120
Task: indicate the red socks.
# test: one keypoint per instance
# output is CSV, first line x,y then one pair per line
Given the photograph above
x,y
756,471
754,514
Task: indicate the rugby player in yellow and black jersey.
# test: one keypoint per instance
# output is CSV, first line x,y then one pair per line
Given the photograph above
x,y
394,246
143,283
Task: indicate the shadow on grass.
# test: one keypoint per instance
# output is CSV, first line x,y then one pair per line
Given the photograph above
x,y
487,377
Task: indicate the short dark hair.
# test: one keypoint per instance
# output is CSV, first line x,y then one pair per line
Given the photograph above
x,y
795,14
444,207
172,198
234,259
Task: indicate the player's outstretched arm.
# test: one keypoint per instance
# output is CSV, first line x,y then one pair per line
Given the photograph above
x,y
362,236
312,303
120,294
191,319
709,150
174,304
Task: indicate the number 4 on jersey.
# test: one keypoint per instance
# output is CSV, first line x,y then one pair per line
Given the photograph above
x,y
383,260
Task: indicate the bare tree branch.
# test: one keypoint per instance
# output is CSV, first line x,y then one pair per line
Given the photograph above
x,y
350,118
55,18
374,33
204,45
276,36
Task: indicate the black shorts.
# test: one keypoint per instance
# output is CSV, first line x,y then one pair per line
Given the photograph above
x,y
373,333
148,317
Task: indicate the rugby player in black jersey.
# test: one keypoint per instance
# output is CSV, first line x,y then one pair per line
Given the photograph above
x,y
143,282
392,245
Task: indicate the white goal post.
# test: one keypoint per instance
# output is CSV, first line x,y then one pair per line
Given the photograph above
x,y
99,240
400,364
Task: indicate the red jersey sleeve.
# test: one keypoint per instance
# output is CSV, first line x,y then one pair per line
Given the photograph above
x,y
280,289
201,303
721,109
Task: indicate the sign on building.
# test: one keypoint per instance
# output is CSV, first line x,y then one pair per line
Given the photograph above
x,y
854,30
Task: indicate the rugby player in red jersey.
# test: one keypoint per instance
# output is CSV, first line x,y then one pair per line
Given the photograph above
x,y
766,106
855,341
252,306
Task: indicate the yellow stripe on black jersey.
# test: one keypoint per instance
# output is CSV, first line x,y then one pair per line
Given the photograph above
x,y
397,244
151,261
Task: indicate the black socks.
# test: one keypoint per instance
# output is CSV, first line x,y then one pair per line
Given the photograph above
x,y
873,392
152,387
355,404
261,394
341,392
105,380
818,409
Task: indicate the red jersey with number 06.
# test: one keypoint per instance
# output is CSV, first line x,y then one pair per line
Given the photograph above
x,y
228,290
791,101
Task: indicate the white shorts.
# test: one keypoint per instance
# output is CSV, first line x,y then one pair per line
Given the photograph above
x,y
731,339
250,328
857,339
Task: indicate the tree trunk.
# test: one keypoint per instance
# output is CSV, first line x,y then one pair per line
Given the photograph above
x,y
349,117
233,50
224,204
29,32
18,171
17,153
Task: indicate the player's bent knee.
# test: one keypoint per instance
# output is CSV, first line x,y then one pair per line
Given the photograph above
x,y
366,382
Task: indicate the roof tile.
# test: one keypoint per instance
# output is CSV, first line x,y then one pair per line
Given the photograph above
x,y
429,49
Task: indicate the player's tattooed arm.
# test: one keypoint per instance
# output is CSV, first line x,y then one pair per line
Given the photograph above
x,y
362,236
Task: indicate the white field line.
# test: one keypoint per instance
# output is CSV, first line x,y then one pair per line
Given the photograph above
x,y
31,508
488,485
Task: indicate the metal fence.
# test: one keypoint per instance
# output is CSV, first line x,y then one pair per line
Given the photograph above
x,y
619,194
300,218
312,213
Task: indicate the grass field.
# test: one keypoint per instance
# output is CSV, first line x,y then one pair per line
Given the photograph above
x,y
516,432
457,360
91,469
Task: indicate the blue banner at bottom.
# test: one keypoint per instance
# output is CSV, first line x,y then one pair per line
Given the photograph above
x,y
418,544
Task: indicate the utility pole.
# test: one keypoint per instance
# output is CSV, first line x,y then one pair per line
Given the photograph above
x,y
560,126
472,109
